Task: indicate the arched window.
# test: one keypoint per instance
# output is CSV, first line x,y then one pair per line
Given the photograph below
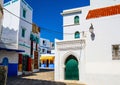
x,y
77,34
76,20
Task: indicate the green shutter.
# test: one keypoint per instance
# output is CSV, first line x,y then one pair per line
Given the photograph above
x,y
77,35
24,13
23,32
76,20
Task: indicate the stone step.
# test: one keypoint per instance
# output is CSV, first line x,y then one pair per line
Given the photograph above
x,y
69,82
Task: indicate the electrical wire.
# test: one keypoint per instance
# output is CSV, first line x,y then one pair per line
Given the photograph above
x,y
46,29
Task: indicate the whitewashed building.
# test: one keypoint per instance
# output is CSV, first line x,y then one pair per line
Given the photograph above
x,y
46,46
47,54
89,52
16,38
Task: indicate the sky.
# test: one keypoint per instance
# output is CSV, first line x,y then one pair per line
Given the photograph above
x,y
46,14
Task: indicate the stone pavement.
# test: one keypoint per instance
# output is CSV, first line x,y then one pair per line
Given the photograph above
x,y
44,77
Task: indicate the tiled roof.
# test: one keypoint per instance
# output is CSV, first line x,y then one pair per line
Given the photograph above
x,y
102,12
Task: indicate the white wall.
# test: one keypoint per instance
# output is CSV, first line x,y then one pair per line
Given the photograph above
x,y
99,52
69,28
106,35
26,25
46,41
12,56
98,68
11,23
10,20
102,3
46,46
14,23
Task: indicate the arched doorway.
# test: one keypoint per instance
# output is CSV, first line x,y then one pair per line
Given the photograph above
x,y
5,61
71,68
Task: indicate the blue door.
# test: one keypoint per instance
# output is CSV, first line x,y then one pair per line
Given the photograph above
x,y
12,67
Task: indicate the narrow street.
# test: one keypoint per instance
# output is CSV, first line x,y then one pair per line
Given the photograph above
x,y
44,77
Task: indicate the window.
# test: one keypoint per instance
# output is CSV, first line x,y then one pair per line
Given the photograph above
x,y
48,51
23,32
116,52
52,44
43,50
24,13
77,34
76,20
44,43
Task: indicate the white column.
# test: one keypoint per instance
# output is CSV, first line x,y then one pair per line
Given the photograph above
x,y
82,65
62,72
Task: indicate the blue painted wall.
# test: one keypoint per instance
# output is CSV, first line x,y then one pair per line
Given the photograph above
x,y
50,66
12,69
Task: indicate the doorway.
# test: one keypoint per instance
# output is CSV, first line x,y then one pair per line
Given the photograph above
x,y
71,68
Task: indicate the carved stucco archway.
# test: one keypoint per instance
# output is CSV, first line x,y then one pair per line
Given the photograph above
x,y
67,54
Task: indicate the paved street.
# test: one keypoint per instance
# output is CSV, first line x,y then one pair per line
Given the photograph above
x,y
41,78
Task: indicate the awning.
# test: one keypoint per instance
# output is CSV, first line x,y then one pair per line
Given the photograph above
x,y
8,49
47,58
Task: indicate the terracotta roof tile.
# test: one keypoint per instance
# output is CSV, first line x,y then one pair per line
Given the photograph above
x,y
102,12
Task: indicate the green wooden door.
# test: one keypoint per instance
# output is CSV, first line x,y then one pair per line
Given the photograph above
x,y
71,70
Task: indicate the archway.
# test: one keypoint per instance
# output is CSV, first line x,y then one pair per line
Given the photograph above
x,y
71,68
5,61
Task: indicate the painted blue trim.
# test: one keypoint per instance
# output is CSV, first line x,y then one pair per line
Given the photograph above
x,y
45,47
8,3
51,65
12,69
26,4
24,45
43,65
16,50
29,7
13,1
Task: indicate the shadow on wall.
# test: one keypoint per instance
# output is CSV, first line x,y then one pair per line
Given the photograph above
x,y
8,38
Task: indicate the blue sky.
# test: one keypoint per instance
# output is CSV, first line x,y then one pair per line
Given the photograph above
x,y
46,14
